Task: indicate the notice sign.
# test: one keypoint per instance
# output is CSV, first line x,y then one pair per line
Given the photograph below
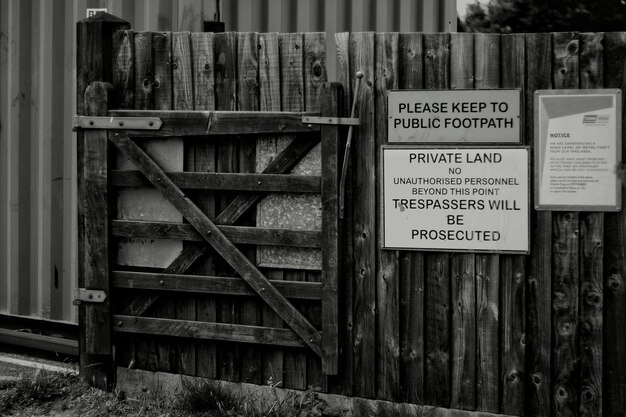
x,y
454,116
578,149
470,199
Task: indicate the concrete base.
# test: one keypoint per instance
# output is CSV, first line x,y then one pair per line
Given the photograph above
x,y
136,383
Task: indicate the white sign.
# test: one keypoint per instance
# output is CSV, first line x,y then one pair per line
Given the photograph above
x,y
578,149
454,116
93,11
470,199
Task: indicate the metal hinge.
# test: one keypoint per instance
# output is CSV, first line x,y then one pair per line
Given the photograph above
x,y
82,295
117,123
337,121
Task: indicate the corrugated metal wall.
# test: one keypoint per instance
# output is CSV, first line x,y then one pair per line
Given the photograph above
x,y
38,246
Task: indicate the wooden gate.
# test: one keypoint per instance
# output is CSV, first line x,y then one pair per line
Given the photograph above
x,y
210,293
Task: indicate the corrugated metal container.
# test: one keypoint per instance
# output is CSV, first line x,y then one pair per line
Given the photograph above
x,y
38,245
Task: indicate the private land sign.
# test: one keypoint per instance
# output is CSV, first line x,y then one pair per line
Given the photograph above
x,y
470,199
454,116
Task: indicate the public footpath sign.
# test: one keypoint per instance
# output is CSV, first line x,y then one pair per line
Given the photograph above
x,y
429,116
472,199
578,148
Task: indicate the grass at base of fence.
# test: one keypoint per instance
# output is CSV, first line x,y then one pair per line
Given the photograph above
x,y
61,395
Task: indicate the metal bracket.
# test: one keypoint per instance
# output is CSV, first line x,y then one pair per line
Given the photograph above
x,y
337,121
117,123
82,295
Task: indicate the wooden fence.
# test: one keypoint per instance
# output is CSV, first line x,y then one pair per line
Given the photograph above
x,y
533,335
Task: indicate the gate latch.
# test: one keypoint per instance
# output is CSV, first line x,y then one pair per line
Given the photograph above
x,y
82,295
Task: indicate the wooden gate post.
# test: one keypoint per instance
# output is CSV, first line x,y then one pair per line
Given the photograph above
x,y
94,59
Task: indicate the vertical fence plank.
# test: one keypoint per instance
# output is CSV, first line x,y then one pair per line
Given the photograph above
x,y
315,77
248,99
487,75
463,279
343,384
538,296
292,99
225,59
123,68
387,270
412,266
513,273
269,78
565,67
591,255
614,268
182,98
204,161
364,159
437,317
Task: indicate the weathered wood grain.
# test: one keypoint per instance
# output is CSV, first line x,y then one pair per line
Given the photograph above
x,y
343,383
387,279
210,285
210,331
412,272
513,272
437,319
463,278
487,69
565,243
538,296
123,69
220,243
362,57
591,257
144,75
330,138
614,265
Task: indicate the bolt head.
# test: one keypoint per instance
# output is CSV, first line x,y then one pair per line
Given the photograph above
x,y
359,74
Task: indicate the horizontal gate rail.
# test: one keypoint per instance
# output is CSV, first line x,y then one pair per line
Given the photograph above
x,y
202,123
225,181
236,234
210,285
208,331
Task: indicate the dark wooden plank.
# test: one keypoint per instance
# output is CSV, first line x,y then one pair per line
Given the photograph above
x,y
487,316
143,77
387,277
123,69
202,330
565,243
487,70
331,96
315,76
225,59
237,234
248,100
210,285
463,279
182,97
217,123
96,348
220,243
411,67
591,257
362,56
614,288
437,317
201,157
291,59
343,383
513,272
269,95
538,296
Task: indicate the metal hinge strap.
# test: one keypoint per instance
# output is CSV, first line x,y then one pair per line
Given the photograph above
x,y
117,123
336,121
82,295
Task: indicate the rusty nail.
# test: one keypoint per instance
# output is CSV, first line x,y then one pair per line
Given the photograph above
x,y
119,323
161,282
310,126
259,183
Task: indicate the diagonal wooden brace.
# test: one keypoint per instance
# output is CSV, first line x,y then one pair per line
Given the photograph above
x,y
212,234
